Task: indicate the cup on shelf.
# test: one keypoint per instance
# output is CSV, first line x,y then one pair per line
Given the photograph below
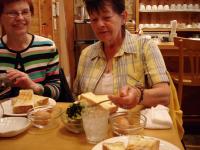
x,y
151,25
154,7
189,26
179,6
148,7
194,25
141,26
160,7
166,7
184,6
146,25
157,25
196,6
142,7
190,6
173,6
182,25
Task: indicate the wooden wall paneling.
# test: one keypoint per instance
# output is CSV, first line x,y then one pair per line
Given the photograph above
x,y
62,39
46,18
55,23
137,14
69,15
35,26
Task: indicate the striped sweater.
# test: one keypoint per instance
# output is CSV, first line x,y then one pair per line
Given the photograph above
x,y
39,60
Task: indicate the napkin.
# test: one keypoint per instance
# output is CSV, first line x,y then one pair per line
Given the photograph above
x,y
157,117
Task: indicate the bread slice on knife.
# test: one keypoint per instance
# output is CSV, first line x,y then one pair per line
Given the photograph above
x,y
90,98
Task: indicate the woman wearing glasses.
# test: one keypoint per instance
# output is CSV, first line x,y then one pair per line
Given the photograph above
x,y
29,61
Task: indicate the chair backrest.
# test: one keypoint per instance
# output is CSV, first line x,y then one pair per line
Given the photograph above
x,y
191,50
178,42
179,45
65,93
189,65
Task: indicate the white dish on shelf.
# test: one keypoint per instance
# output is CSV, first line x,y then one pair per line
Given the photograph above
x,y
8,110
164,145
12,126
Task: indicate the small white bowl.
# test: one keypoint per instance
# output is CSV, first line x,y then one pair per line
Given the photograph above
x,y
12,126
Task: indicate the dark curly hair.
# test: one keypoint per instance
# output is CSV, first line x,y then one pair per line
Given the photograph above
x,y
97,5
118,7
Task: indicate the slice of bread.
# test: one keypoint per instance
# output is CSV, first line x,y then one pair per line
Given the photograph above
x,y
23,102
90,98
40,100
114,146
27,100
138,143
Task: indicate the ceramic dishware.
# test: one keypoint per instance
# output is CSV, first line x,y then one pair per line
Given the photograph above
x,y
148,7
190,6
179,6
160,7
142,7
184,6
166,7
173,6
196,6
154,7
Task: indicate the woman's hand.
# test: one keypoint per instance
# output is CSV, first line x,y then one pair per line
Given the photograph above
x,y
128,97
22,80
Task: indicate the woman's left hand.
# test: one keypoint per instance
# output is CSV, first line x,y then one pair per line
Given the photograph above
x,y
20,79
128,97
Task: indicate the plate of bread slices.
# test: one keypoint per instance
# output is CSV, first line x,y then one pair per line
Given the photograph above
x,y
19,105
134,142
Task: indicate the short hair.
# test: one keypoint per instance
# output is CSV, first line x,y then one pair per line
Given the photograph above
x,y
3,3
96,5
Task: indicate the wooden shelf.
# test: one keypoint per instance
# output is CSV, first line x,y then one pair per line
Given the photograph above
x,y
183,16
169,11
169,29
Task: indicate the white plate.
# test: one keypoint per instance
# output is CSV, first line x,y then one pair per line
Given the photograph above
x,y
164,145
8,110
12,126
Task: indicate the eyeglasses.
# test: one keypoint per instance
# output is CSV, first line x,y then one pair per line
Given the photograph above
x,y
13,14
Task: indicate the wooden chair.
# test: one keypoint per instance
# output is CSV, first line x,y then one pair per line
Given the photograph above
x,y
65,91
188,75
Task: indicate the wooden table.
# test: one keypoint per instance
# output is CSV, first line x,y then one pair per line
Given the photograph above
x,y
60,139
168,49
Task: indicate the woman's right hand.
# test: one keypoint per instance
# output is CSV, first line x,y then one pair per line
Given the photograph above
x,y
22,80
127,98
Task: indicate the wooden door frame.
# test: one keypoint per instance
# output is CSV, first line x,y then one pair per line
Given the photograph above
x,y
69,15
